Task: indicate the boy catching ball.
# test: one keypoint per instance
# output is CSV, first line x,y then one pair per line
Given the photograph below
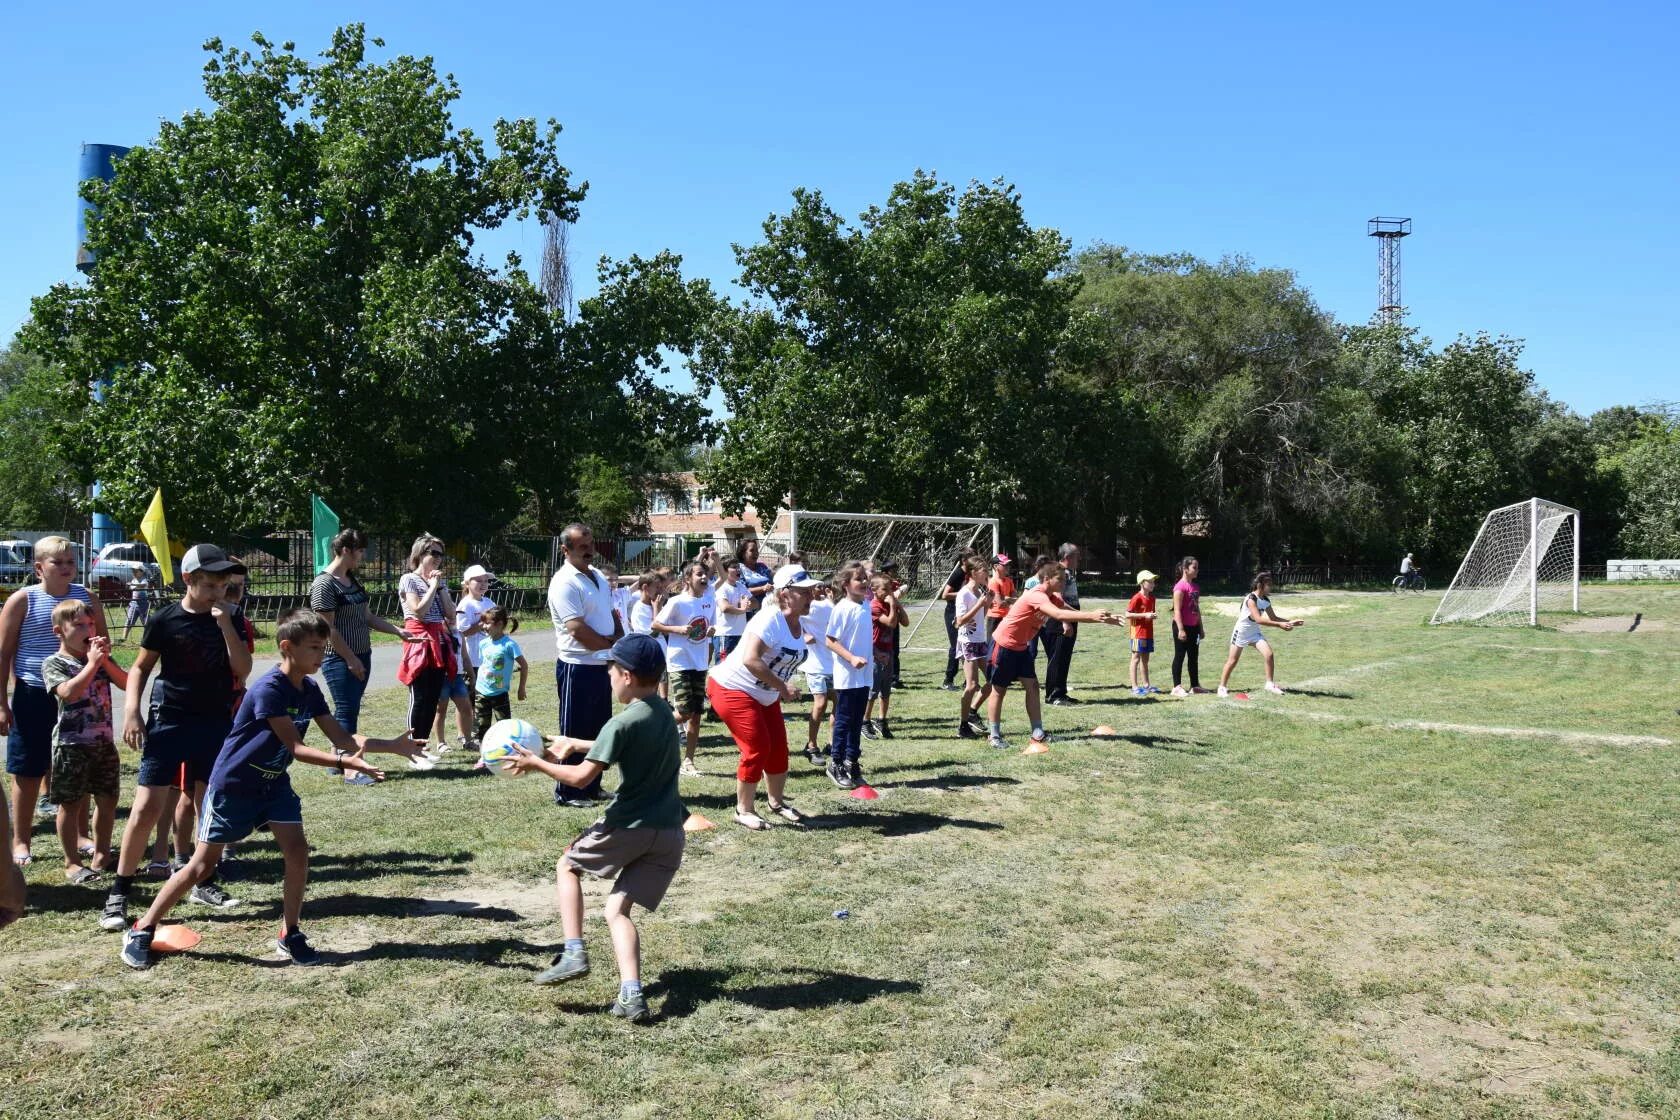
x,y
638,843
250,785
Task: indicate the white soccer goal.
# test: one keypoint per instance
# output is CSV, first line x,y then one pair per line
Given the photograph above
x,y
1524,562
927,548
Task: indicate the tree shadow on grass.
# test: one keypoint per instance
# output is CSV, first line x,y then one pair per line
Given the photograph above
x,y
1154,743
806,989
955,781
496,952
396,906
327,867
896,822
1320,693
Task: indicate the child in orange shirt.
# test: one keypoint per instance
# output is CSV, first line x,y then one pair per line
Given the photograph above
x,y
1141,611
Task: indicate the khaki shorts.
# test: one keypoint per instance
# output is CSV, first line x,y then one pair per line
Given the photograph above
x,y
641,862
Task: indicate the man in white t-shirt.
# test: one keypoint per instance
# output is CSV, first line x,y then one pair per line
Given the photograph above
x,y
580,601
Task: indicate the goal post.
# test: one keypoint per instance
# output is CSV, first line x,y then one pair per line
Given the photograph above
x,y
1524,562
927,547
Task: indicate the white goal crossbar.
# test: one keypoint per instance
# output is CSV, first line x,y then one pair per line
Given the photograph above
x,y
927,547
1522,563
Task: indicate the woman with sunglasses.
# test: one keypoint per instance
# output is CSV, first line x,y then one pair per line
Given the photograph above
x,y
427,664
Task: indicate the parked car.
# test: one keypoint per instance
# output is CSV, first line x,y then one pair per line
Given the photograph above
x,y
15,566
115,567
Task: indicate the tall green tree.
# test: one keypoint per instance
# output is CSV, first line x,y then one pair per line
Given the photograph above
x,y
38,489
1648,468
898,364
289,299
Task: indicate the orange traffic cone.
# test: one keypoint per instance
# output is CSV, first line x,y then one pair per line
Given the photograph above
x,y
1036,748
697,823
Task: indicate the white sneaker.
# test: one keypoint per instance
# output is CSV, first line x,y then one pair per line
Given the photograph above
x,y
1178,690
1273,688
422,762
1223,691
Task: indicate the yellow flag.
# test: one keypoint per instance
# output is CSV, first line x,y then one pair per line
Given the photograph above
x,y
156,535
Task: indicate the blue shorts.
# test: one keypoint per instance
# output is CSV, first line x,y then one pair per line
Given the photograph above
x,y
230,817
818,684
181,751
455,688
29,746
1011,665
1143,645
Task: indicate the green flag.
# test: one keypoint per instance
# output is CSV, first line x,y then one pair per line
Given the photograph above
x,y
325,528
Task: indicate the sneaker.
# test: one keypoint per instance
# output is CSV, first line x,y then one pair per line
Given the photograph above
x,y
209,894
870,730
45,808
689,770
467,744
334,771
855,773
1223,691
1140,692
156,869
359,779
1178,690
1152,690
137,948
950,687
565,966
576,803
296,946
1040,737
886,732
1063,702
966,731
997,742
813,755
840,774
115,914
422,761
1273,688
634,1009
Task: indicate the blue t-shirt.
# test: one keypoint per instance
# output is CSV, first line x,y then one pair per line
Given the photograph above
x,y
497,659
253,758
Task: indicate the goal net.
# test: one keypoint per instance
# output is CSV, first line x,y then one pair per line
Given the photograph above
x,y
926,548
1524,562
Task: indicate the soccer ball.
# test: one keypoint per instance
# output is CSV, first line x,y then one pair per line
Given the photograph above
x,y
497,745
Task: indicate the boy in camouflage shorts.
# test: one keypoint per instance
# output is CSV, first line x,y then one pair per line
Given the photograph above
x,y
84,755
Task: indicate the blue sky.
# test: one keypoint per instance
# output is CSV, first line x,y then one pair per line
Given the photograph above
x,y
1534,146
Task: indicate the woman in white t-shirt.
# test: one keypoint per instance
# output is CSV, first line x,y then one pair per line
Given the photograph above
x,y
969,620
747,689
1256,612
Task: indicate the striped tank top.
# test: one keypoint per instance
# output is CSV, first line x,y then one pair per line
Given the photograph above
x,y
36,640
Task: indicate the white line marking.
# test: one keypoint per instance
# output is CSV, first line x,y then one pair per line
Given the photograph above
x,y
1471,728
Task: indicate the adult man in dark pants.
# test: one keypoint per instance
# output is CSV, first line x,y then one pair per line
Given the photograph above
x,y
580,602
1058,648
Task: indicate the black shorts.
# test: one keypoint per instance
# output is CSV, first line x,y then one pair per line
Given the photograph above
x,y
1011,665
181,750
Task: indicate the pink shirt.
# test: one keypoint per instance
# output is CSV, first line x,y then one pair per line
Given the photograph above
x,y
1191,614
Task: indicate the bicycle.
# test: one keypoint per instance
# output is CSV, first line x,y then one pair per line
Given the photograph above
x,y
1412,581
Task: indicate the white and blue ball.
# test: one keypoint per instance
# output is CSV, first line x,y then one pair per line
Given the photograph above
x,y
498,743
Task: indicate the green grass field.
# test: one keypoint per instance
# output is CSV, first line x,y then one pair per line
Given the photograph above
x,y
1438,880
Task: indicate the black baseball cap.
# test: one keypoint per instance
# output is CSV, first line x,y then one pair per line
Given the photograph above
x,y
209,558
638,654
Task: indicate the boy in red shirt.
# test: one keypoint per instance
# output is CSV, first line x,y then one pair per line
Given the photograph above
x,y
886,615
1141,611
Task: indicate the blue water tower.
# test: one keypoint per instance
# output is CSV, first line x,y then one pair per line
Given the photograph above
x,y
99,161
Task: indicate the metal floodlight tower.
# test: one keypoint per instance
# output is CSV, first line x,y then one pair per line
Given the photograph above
x,y
1388,232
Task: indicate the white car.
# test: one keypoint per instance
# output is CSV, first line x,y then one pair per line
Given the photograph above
x,y
116,562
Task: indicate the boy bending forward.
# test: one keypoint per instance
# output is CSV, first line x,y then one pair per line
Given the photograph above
x,y
638,843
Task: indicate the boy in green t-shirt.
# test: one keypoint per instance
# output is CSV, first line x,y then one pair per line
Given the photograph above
x,y
638,843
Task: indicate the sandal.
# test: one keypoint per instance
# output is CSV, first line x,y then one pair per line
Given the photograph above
x,y
82,877
24,860
752,822
788,813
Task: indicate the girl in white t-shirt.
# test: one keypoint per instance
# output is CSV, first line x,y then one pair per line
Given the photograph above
x,y
972,600
1256,612
643,603
851,640
818,668
684,623
747,689
735,605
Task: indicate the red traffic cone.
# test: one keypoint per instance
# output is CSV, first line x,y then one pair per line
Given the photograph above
x,y
865,793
